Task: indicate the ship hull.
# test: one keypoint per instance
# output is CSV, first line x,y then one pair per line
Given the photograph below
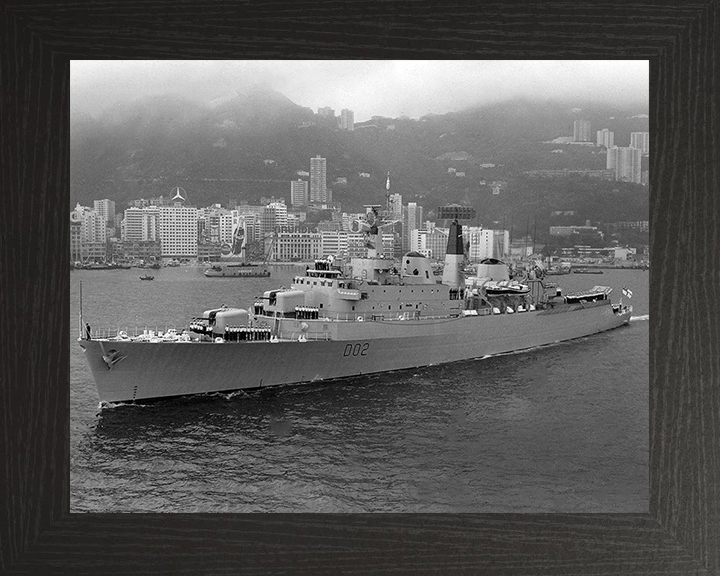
x,y
127,371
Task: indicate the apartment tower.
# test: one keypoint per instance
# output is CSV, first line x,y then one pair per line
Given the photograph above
x,y
318,180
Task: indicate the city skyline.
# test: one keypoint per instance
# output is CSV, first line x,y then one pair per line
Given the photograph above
x,y
178,231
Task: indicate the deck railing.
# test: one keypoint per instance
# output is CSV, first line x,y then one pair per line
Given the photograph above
x,y
159,332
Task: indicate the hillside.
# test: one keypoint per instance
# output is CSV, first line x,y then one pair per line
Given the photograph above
x,y
249,144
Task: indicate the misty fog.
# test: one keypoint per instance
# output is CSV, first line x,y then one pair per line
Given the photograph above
x,y
388,88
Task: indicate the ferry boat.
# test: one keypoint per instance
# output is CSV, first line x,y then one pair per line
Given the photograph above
x,y
237,270
371,315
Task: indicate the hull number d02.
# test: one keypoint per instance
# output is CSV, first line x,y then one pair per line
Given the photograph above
x,y
359,349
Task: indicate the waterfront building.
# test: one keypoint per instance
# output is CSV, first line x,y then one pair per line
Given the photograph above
x,y
93,226
297,247
141,224
318,180
216,225
178,227
142,250
106,210
584,253
209,252
76,236
251,216
333,243
87,235
581,131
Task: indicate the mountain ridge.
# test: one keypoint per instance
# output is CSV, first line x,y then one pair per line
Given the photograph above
x,y
217,150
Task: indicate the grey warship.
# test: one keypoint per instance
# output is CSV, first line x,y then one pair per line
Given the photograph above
x,y
370,315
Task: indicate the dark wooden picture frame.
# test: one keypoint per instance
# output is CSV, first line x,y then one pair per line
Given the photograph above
x,y
680,532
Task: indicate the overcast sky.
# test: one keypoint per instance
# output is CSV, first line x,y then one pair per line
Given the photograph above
x,y
368,87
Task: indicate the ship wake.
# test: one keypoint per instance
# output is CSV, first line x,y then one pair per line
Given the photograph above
x,y
112,405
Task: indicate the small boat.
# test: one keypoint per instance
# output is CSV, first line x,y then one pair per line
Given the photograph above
x,y
587,271
557,271
595,294
147,277
505,287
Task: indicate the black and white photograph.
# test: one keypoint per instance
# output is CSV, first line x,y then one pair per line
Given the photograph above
x,y
359,286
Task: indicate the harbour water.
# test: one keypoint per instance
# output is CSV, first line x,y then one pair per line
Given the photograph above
x,y
562,428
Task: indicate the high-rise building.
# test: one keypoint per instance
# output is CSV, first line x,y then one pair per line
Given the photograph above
x,y
250,216
106,210
76,254
274,216
611,159
626,163
93,226
347,119
318,180
581,131
605,138
216,225
178,227
141,224
486,243
87,234
396,207
412,221
430,241
326,111
641,141
298,193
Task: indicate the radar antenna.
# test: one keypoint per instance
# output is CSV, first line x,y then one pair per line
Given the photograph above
x,y
374,221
